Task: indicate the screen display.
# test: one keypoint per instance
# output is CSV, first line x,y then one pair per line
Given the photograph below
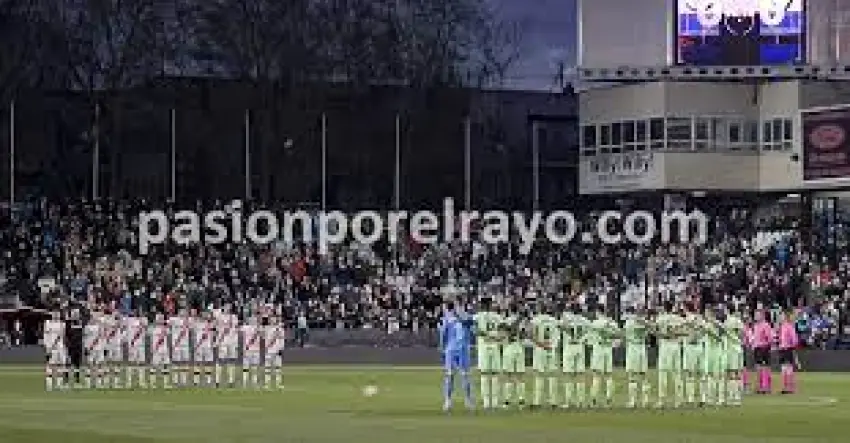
x,y
740,32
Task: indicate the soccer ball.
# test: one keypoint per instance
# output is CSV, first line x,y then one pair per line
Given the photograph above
x,y
370,391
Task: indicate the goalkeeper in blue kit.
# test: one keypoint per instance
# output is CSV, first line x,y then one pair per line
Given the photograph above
x,y
456,348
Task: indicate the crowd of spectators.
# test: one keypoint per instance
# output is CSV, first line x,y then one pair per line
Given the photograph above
x,y
88,251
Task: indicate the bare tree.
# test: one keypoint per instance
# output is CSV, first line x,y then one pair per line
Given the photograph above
x,y
495,52
257,39
272,45
455,42
111,45
29,46
15,45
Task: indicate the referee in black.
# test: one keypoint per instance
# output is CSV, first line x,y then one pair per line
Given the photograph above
x,y
75,322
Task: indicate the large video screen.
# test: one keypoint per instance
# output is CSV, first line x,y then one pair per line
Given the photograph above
x,y
740,32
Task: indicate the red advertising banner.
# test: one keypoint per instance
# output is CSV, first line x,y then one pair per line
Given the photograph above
x,y
826,144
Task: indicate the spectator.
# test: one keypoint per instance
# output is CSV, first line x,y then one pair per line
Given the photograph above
x,y
301,329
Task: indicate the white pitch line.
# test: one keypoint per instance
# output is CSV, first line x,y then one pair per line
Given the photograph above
x,y
22,370
806,401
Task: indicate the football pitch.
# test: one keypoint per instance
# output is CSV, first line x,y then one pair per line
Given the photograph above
x,y
326,404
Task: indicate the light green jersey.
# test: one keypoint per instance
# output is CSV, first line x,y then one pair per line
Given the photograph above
x,y
636,330
575,328
602,332
669,327
693,330
712,334
488,327
546,330
733,332
515,329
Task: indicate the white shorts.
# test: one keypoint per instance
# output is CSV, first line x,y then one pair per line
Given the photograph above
x,y
57,357
137,355
274,359
181,355
251,359
113,354
228,353
203,355
96,356
160,359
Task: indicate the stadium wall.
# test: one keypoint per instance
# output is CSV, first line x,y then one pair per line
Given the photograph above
x,y
728,171
810,360
742,168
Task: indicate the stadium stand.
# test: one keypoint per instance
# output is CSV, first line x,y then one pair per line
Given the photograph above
x,y
87,251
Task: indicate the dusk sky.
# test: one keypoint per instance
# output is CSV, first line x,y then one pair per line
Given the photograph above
x,y
549,36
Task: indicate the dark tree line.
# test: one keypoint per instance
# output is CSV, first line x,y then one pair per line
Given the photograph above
x,y
93,45
293,61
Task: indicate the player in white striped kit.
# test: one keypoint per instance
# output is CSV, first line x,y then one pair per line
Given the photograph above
x,y
274,338
227,342
94,352
181,358
113,338
252,352
135,337
160,357
204,337
56,352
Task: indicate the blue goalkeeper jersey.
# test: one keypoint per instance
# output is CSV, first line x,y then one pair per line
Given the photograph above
x,y
455,334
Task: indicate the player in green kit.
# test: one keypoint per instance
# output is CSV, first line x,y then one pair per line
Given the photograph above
x,y
669,328
488,331
733,345
636,333
713,390
603,331
513,358
693,347
546,338
574,356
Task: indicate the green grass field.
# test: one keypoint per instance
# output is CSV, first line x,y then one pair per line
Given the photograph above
x,y
325,404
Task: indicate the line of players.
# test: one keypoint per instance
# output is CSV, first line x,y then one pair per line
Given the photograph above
x,y
701,356
188,350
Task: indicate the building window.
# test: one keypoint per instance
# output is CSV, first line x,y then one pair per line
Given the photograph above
x,y
735,133
640,135
657,139
751,135
720,133
777,130
604,139
629,137
787,134
777,134
616,138
727,133
679,134
588,140
588,136
702,134
743,135
628,132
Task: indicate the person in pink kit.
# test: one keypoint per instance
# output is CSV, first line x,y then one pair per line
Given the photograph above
x,y
762,339
748,355
788,343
